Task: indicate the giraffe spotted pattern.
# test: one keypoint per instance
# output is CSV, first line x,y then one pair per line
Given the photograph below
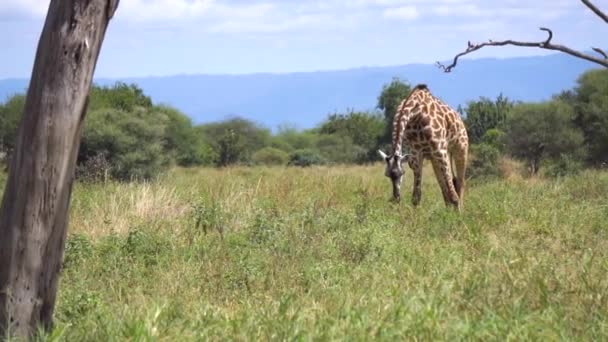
x,y
430,130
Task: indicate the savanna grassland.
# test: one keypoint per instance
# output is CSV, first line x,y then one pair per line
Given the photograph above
x,y
273,253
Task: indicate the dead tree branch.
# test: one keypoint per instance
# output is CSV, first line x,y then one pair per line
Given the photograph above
x,y
546,44
596,10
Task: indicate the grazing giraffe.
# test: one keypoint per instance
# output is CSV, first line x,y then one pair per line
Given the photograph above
x,y
432,130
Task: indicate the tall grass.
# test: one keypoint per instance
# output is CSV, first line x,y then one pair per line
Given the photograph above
x,y
320,253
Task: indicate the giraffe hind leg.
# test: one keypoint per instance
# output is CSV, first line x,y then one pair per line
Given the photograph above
x,y
460,160
443,172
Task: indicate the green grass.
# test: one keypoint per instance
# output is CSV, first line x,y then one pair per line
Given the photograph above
x,y
320,254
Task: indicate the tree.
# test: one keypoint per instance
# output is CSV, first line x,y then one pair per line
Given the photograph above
x,y
485,114
182,141
133,142
591,102
391,96
10,115
544,44
339,149
543,130
361,130
270,156
119,96
34,213
235,140
289,139
305,158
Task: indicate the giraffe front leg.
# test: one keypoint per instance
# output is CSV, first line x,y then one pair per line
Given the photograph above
x,y
416,165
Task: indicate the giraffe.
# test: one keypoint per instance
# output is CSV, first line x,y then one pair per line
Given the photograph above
x,y
431,130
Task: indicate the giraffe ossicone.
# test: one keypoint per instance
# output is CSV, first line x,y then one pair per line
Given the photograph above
x,y
431,130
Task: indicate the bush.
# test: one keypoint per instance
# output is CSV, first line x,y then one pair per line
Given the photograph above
x,y
494,137
235,140
305,158
339,149
94,169
485,161
131,142
539,131
565,165
270,156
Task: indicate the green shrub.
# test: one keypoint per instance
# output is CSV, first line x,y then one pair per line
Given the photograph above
x,y
132,142
484,162
494,137
77,248
565,165
305,158
94,169
270,156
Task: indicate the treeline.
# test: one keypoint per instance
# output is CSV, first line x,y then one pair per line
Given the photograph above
x,y
128,137
561,135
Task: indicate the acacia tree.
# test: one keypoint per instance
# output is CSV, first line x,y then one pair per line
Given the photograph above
x,y
602,59
389,99
34,213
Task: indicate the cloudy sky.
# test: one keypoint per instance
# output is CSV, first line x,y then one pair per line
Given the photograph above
x,y
163,37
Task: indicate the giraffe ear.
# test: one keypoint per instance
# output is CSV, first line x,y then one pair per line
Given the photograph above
x,y
382,154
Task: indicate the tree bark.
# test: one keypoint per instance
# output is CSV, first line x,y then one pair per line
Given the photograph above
x,y
34,212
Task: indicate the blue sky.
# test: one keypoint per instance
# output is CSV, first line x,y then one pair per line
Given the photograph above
x,y
165,37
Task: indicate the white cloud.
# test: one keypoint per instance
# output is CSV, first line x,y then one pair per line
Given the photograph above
x,y
273,16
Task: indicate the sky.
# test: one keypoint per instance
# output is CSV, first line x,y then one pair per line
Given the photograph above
x,y
168,37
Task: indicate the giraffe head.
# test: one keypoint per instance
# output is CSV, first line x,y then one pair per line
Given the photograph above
x,y
394,170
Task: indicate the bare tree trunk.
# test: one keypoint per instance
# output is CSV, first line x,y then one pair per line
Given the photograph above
x,y
33,217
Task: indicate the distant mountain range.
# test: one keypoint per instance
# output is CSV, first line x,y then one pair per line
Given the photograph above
x,y
305,99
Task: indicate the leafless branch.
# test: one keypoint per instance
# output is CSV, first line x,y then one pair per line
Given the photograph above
x,y
596,10
546,44
543,44
601,52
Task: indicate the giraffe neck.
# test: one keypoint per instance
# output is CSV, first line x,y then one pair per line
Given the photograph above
x,y
400,121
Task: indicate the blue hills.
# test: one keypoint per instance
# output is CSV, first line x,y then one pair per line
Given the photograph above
x,y
304,99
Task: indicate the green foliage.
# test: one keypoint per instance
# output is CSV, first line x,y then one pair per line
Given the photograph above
x,y
484,115
340,149
564,166
354,137
183,141
125,135
494,137
120,96
484,162
270,156
209,216
78,247
235,140
132,142
591,103
544,130
289,139
391,96
10,116
364,129
96,168
305,158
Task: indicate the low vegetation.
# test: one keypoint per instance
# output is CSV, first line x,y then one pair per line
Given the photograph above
x,y
319,253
